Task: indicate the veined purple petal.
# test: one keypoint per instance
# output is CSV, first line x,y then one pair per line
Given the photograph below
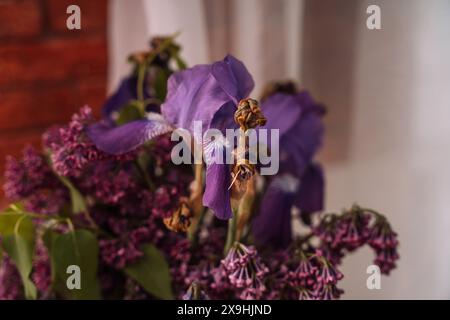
x,y
310,194
124,138
272,225
233,77
217,195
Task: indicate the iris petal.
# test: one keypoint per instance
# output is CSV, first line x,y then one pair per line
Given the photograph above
x,y
310,194
272,226
217,196
124,138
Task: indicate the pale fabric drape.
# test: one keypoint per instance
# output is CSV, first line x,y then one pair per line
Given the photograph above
x,y
209,30
388,126
388,142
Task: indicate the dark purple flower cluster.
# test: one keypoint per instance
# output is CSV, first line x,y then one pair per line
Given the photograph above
x,y
41,275
304,275
352,230
384,241
71,149
245,271
23,177
11,286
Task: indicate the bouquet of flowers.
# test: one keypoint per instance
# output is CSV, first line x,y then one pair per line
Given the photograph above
x,y
130,207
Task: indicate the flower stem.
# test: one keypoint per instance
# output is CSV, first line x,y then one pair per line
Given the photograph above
x,y
231,235
245,207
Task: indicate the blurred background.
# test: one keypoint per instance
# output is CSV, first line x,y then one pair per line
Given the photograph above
x,y
387,92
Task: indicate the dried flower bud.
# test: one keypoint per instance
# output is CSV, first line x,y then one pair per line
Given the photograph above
x,y
180,219
287,87
249,115
195,292
242,172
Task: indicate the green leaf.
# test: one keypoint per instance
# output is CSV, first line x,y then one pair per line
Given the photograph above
x,y
129,112
77,199
152,273
19,245
8,221
79,248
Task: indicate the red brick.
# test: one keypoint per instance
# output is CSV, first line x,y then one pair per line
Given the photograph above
x,y
53,105
52,60
93,14
19,18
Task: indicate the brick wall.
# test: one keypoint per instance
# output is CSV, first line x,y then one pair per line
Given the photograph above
x,y
47,71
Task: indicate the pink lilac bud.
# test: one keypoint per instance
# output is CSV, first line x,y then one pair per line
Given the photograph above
x,y
328,292
352,230
384,242
245,270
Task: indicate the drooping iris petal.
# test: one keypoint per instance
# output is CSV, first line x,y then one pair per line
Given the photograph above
x,y
217,196
272,225
198,93
233,77
124,138
310,194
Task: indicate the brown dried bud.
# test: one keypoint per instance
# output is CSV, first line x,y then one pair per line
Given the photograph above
x,y
249,115
180,219
242,172
287,87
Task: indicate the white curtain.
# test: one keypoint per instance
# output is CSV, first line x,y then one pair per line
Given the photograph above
x,y
399,148
388,140
209,30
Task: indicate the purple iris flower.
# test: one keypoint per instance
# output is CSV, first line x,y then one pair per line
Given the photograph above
x,y
207,93
300,182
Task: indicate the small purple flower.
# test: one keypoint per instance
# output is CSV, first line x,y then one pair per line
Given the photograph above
x,y
384,241
245,270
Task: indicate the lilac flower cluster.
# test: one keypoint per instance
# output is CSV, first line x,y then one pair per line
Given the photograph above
x,y
355,228
11,287
245,271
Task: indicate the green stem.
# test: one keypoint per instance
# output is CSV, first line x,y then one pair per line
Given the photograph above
x,y
140,87
194,234
231,235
